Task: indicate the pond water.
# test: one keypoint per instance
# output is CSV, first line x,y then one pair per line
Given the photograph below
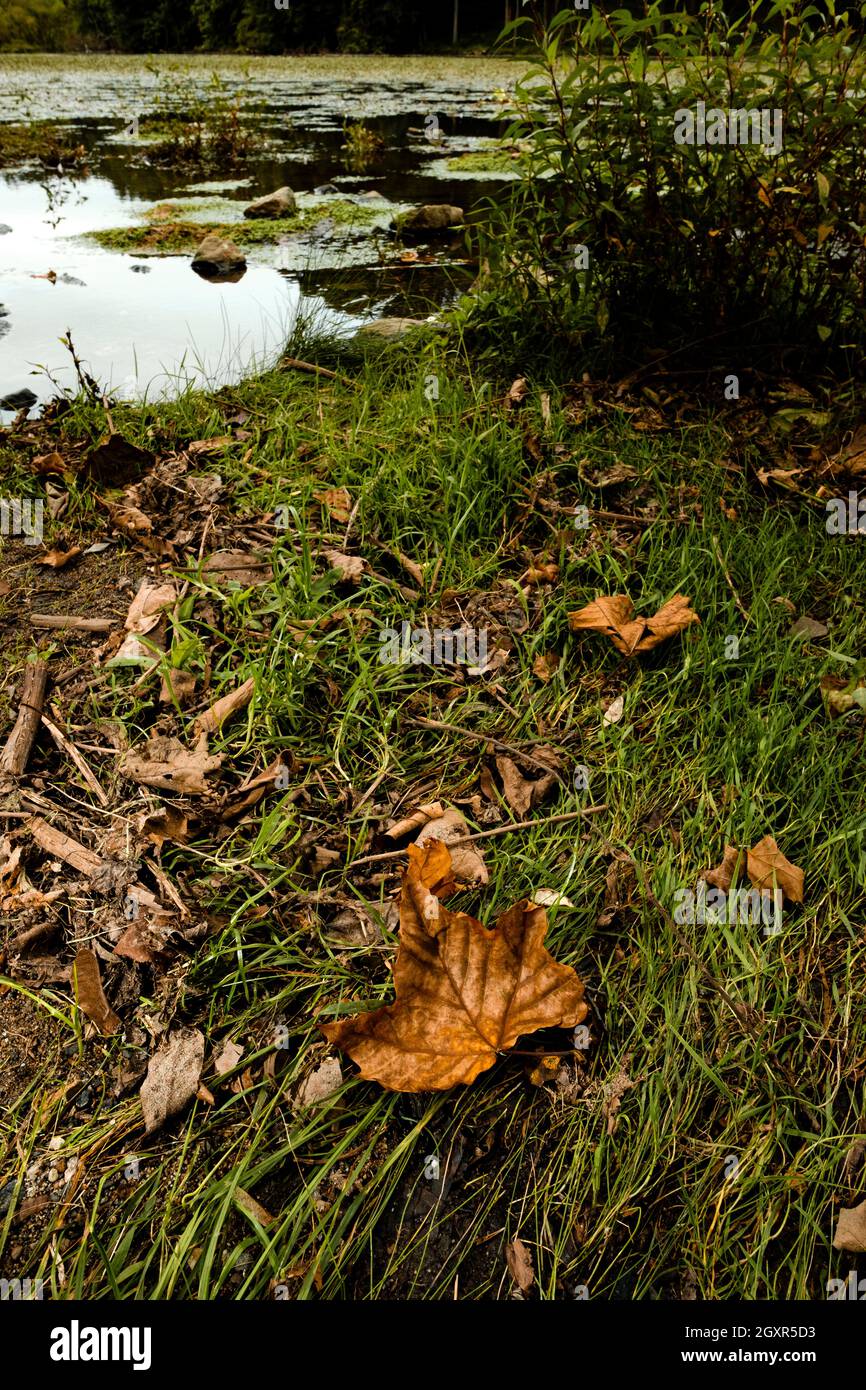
x,y
147,324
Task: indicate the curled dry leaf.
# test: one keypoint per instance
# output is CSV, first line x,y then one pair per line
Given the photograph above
x,y
519,1261
146,608
467,863
321,1083
615,711
545,666
463,993
522,793
337,501
214,718
851,1229
90,994
164,763
768,868
723,876
237,567
432,811
229,1056
57,559
614,615
173,1076
349,567
549,897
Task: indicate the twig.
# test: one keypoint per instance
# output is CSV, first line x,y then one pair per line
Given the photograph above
x,y
19,743
486,738
489,834
724,569
64,847
296,365
68,620
67,747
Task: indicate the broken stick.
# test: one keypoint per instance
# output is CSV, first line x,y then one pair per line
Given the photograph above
x,y
19,743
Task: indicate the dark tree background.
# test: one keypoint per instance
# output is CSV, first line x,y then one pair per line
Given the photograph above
x,y
252,26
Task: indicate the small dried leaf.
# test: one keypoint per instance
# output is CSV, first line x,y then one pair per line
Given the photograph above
x,y
173,1077
146,608
615,710
338,502
851,1229
90,995
519,1261
56,559
349,567
164,763
545,665
467,863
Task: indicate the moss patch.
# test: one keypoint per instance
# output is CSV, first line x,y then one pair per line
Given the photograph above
x,y
166,232
485,162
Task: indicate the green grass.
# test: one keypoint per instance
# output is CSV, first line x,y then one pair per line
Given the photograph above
x,y
710,750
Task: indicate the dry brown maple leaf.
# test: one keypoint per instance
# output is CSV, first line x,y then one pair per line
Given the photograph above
x,y
464,993
767,867
614,615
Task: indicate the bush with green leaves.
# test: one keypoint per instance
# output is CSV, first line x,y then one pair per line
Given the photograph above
x,y
733,245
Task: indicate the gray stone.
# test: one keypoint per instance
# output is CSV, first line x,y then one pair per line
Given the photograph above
x,y
217,258
281,203
18,400
389,329
429,217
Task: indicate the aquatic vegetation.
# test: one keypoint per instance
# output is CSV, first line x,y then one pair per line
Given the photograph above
x,y
42,141
362,145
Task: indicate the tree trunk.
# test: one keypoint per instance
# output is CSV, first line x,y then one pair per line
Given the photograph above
x,y
456,25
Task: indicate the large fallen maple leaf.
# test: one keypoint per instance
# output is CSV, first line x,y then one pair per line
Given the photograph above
x,y
614,616
464,993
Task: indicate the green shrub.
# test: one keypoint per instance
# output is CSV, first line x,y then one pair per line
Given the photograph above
x,y
742,247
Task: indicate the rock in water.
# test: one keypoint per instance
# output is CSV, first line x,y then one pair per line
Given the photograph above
x,y
4,229
217,258
429,217
18,400
389,329
278,204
